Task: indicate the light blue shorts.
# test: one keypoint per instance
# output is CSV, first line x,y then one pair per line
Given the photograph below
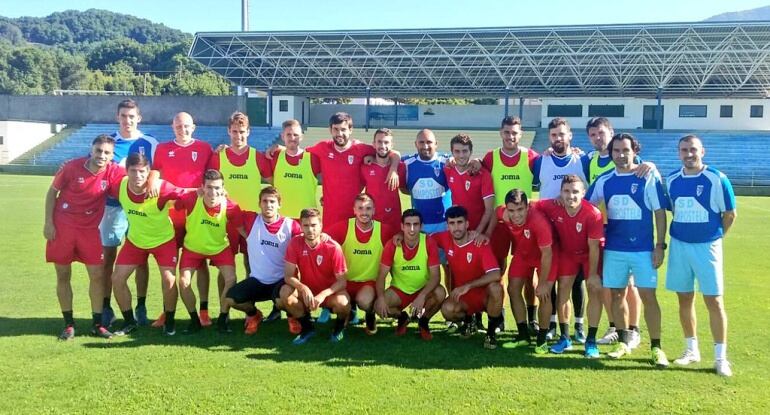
x,y
114,226
690,262
618,265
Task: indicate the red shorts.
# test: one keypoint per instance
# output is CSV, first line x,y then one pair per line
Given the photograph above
x,y
353,287
501,243
75,245
178,218
406,299
475,300
521,268
571,264
165,254
195,260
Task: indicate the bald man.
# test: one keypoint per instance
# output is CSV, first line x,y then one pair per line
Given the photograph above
x,y
182,163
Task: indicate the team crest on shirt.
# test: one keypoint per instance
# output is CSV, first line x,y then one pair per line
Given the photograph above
x,y
280,236
699,190
634,188
526,233
194,155
351,158
469,257
141,150
436,170
103,184
467,185
578,227
319,259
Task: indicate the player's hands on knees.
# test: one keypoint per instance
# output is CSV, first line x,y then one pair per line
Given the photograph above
x,y
380,307
419,305
317,301
306,295
459,292
49,231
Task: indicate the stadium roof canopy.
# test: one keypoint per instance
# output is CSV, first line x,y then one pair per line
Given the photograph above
x,y
684,59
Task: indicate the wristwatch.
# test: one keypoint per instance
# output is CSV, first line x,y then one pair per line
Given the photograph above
x,y
663,245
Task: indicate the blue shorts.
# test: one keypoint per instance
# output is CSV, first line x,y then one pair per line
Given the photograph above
x,y
690,262
619,265
114,226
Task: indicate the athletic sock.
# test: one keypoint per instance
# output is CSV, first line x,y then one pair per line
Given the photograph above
x,y
96,318
128,316
623,336
68,319
612,324
492,324
204,305
306,323
592,334
541,336
523,330
654,343
691,343
252,312
339,325
194,317
564,329
170,316
106,302
720,351
423,323
579,320
634,328
222,319
531,312
403,318
140,301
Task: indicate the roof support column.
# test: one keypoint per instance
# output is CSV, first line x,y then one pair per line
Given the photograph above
x,y
368,97
395,117
659,111
505,104
270,107
521,110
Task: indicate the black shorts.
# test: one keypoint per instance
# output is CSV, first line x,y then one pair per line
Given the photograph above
x,y
251,290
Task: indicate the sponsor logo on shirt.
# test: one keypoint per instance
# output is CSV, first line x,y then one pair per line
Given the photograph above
x,y
331,156
371,172
292,176
238,176
510,177
410,268
210,223
558,176
362,252
171,154
268,243
81,180
451,252
136,212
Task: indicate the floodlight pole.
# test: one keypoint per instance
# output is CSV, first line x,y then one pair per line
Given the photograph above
x,y
245,15
521,109
368,97
507,95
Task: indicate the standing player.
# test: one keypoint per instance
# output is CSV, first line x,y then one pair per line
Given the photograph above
x,y
182,162
206,238
703,205
373,176
474,284
150,231
362,240
473,192
74,205
422,177
315,275
630,249
268,236
294,172
533,251
128,139
416,278
580,230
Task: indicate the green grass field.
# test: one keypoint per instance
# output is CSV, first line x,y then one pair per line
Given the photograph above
x,y
210,373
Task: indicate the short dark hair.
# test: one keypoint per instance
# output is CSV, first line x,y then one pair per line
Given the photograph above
x,y
456,211
103,139
635,145
383,130
411,213
557,122
238,118
463,139
341,117
130,104
137,159
364,197
689,137
270,191
290,123
597,122
516,196
212,174
572,178
309,213
510,120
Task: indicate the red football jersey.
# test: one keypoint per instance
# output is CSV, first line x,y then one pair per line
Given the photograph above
x,y
318,267
82,193
387,203
470,191
341,180
573,231
529,237
467,262
182,166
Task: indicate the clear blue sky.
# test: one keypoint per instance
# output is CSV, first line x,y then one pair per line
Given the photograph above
x,y
224,15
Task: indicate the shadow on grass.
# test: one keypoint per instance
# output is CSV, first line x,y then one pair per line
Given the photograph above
x,y
273,343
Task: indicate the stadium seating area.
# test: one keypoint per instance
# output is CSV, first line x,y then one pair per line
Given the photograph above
x,y
78,143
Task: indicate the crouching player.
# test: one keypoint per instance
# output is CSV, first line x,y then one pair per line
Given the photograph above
x,y
74,205
474,285
208,217
579,227
150,231
414,267
316,274
267,239
534,251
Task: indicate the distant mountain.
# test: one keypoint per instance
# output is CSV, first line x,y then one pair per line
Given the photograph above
x,y
760,13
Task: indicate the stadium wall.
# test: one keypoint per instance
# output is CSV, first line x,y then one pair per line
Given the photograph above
x,y
678,113
207,110
17,137
444,116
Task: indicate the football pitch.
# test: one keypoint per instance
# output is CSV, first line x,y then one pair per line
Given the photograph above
x,y
211,373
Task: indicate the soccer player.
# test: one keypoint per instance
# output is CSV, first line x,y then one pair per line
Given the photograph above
x,y
182,162
294,172
268,236
373,176
128,139
74,204
315,275
631,203
414,268
422,177
580,230
206,238
703,206
474,284
150,231
534,250
362,239
598,162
